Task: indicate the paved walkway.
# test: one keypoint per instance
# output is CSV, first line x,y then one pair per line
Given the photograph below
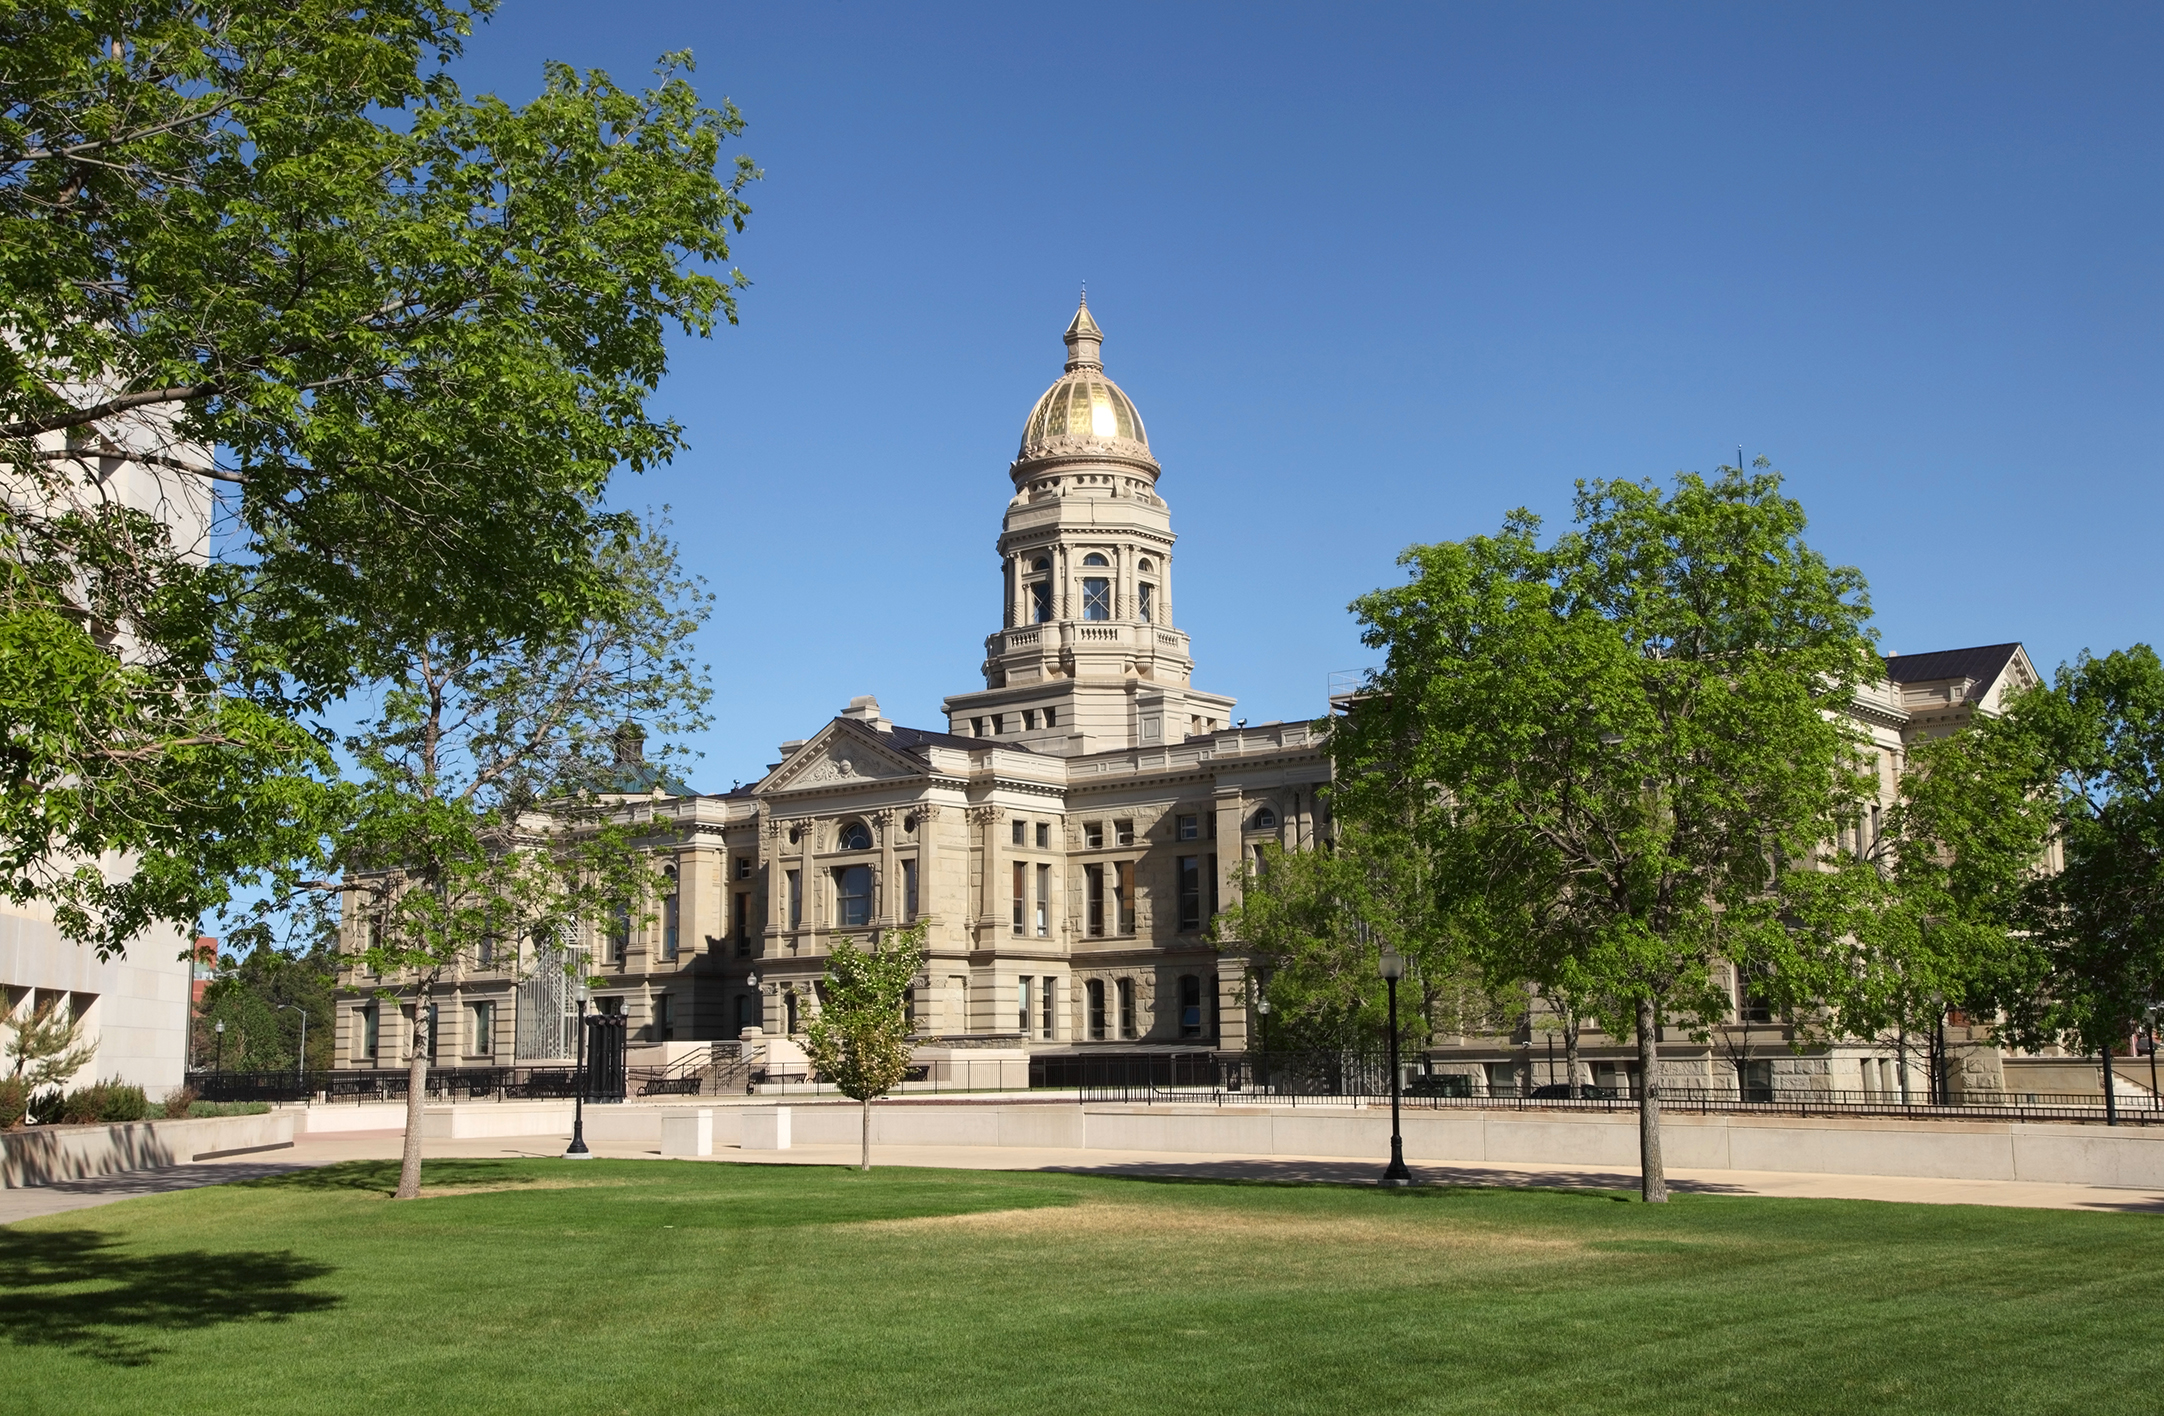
x,y
385,1145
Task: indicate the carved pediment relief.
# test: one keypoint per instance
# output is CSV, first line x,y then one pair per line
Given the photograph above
x,y
839,760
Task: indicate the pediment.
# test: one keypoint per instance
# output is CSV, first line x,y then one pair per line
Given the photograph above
x,y
839,757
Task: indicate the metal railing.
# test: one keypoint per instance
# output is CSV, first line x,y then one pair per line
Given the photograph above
x,y
442,1084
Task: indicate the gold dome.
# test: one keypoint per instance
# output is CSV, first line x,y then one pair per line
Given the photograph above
x,y
1084,408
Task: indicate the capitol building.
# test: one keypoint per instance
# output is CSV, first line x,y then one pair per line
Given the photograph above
x,y
1067,835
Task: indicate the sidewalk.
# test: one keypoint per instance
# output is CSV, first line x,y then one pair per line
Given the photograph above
x,y
386,1145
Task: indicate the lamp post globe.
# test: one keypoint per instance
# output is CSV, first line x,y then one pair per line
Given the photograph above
x,y
1392,969
219,1028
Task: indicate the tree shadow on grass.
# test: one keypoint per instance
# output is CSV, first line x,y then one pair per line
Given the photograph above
x,y
381,1176
81,1291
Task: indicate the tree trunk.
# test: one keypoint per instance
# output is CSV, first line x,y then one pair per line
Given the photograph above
x,y
1653,1177
866,1164
2111,1098
409,1165
1570,1053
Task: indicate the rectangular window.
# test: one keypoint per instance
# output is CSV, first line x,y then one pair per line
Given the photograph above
x,y
1210,874
1093,835
1190,828
1127,1007
740,922
371,1033
1126,832
909,889
1146,602
796,900
1093,887
1047,1000
853,896
1502,1078
1044,836
1096,994
743,867
1123,894
1044,900
1029,719
976,726
1096,599
1021,894
1190,1006
620,935
1022,1005
1051,720
1040,602
664,1017
1189,890
481,1035
1021,833
671,926
999,724
484,954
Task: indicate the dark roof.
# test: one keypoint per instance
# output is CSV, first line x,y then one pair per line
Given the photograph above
x,y
640,779
1983,663
909,739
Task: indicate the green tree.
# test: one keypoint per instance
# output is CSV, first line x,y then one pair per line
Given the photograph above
x,y
261,997
859,1037
2068,951
486,819
268,247
1641,723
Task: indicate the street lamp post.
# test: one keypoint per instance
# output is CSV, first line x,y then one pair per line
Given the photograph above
x,y
220,1030
1393,969
300,1068
577,1149
1262,1010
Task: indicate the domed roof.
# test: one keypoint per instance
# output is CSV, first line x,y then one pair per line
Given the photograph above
x,y
1085,411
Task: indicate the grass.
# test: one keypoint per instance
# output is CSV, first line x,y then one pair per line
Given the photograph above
x,y
630,1286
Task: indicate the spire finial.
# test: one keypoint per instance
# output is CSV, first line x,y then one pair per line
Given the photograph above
x,y
1083,337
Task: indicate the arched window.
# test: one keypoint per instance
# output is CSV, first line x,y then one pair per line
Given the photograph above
x,y
853,896
1144,565
1265,819
855,836
1094,559
1041,565
670,917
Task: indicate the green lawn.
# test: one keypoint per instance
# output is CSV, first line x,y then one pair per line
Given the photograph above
x,y
657,1287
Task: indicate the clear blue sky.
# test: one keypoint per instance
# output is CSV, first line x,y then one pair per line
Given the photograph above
x,y
1376,276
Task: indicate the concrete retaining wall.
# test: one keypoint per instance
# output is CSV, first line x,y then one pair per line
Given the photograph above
x,y
41,1155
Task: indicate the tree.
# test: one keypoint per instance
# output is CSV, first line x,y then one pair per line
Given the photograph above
x,y
1638,727
485,827
46,1048
261,997
859,1037
267,247
2074,955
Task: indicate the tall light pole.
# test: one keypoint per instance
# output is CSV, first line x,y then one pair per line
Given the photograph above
x,y
1393,969
220,1029
300,1068
577,1149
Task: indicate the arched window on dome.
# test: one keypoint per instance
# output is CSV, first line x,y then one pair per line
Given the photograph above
x,y
1094,559
855,836
1144,565
1037,593
1041,565
1097,598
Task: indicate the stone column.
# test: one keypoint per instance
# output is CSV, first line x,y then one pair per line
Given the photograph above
x,y
986,820
888,887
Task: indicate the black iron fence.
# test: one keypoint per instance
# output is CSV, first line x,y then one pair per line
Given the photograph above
x,y
443,1084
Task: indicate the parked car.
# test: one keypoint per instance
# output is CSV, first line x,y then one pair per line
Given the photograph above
x,y
1439,1084
1557,1091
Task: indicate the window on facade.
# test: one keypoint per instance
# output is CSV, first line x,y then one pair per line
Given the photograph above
x,y
1123,894
664,1016
789,999
370,1022
1189,872
1093,558
1146,602
1029,720
740,923
1044,900
1093,889
1095,992
1124,832
1041,565
1757,1080
1265,819
671,916
481,1030
1502,1078
1190,1006
1044,835
1047,998
1127,1007
1093,834
856,836
796,900
1021,833
909,889
1040,602
1051,720
1021,894
484,953
976,727
619,935
435,1033
853,896
1022,989
1190,828
743,867
1144,565
1096,598
999,724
